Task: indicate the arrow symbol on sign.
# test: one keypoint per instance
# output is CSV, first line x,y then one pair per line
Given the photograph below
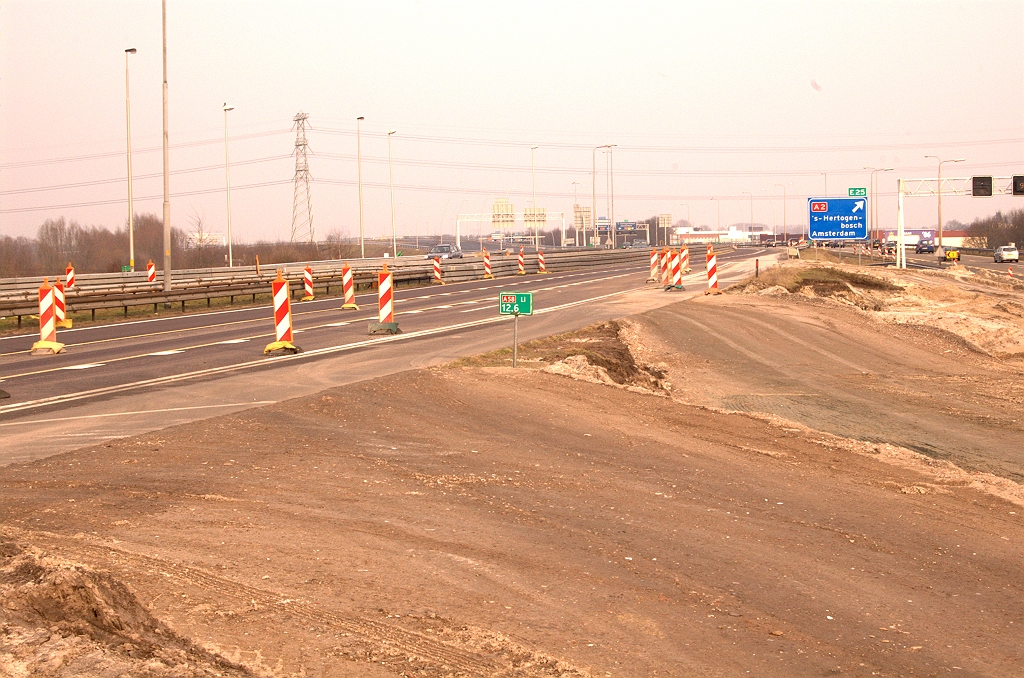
x,y
858,206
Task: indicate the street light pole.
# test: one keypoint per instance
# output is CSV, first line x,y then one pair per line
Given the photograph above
x,y
533,178
611,184
391,182
227,178
873,184
167,183
785,229
128,115
359,178
941,161
593,193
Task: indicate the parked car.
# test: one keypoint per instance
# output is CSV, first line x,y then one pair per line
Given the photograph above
x,y
444,252
925,247
1006,253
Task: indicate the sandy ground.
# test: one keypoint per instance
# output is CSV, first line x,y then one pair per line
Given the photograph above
x,y
575,519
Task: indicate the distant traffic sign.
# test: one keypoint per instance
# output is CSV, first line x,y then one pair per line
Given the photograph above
x,y
981,187
1018,184
837,218
515,303
857,192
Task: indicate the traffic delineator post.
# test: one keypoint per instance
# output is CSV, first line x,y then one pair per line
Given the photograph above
x,y
664,266
1009,271
522,263
385,303
348,287
676,280
307,283
712,264
257,265
541,266
487,266
282,317
436,278
684,265
653,277
151,271
60,306
69,275
47,343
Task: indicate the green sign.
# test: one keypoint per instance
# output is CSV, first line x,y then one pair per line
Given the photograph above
x,y
515,303
857,192
126,269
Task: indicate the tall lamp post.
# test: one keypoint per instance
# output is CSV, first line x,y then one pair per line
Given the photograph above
x,y
611,189
941,161
227,179
533,178
391,182
785,229
359,179
873,184
593,191
128,115
167,165
583,221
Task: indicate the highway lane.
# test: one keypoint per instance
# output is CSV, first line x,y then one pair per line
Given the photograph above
x,y
201,383
104,364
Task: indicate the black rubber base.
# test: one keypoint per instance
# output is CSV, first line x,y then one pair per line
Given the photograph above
x,y
384,328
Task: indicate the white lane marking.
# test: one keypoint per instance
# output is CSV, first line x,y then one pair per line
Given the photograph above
x,y
436,307
411,312
342,324
233,341
128,414
171,352
263,362
83,366
478,308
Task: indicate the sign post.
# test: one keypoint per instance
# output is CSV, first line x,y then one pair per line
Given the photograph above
x,y
515,304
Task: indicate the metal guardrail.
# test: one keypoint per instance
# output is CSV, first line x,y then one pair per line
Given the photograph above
x,y
92,292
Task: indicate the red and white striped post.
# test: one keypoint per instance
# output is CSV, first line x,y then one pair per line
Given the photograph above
x,y
69,273
685,263
151,271
522,263
282,317
487,266
541,266
47,325
664,266
348,287
307,283
677,275
712,272
653,277
436,280
59,306
385,303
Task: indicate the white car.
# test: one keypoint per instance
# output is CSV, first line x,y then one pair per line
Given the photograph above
x,y
1006,253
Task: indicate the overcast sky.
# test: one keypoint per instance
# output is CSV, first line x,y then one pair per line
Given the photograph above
x,y
706,101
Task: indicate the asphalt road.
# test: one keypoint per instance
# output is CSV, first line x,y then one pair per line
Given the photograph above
x,y
116,380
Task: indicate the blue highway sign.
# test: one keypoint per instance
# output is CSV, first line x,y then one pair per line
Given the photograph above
x,y
838,218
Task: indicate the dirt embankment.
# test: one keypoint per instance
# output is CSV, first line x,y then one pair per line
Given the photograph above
x,y
475,520
982,309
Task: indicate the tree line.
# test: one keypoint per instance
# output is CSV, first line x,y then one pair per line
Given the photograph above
x,y
97,249
997,230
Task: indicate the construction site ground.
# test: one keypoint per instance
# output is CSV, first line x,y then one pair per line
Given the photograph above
x,y
817,473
